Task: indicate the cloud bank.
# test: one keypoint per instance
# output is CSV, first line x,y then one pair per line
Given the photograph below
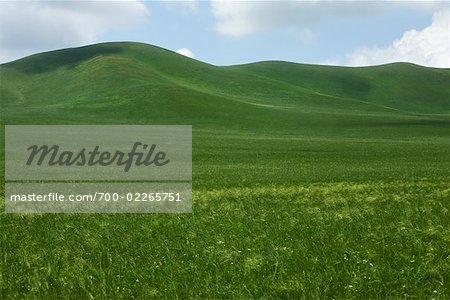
x,y
428,47
241,18
27,27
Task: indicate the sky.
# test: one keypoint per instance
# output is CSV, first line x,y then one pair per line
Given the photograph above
x,y
346,33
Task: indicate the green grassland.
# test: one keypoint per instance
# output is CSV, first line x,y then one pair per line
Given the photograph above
x,y
308,181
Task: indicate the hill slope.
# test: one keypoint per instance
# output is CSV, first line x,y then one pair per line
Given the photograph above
x,y
139,83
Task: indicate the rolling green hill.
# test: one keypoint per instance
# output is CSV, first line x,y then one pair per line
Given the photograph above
x,y
142,83
309,182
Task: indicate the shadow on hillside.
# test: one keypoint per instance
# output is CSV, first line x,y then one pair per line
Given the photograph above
x,y
66,58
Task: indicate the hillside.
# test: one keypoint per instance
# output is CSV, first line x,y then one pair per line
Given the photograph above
x,y
132,82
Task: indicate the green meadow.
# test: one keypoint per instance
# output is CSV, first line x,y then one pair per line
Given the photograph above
x,y
309,182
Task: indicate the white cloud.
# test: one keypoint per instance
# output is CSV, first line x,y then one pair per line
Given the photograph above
x,y
330,62
191,5
30,26
187,6
186,52
240,18
427,47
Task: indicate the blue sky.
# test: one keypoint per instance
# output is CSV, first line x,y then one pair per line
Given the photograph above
x,y
233,32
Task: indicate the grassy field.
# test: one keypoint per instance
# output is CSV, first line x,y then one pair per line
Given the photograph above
x,y
308,181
